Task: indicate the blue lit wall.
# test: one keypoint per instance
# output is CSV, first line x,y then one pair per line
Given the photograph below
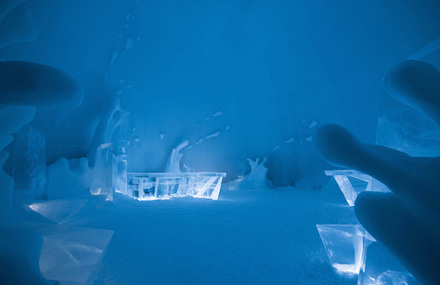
x,y
270,67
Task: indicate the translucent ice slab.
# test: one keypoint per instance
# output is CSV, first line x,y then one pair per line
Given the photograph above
x,y
59,211
146,186
71,255
352,182
344,245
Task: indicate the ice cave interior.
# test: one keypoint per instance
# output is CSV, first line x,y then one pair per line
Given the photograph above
x,y
219,142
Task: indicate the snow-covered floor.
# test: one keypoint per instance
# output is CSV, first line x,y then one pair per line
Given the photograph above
x,y
246,237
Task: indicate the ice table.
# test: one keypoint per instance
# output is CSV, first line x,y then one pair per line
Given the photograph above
x,y
149,186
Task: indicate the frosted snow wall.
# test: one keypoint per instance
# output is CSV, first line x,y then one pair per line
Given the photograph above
x,y
237,79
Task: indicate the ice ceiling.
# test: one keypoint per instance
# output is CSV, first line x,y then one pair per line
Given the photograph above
x,y
237,79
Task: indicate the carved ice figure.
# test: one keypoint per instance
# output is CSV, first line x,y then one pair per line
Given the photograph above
x,y
173,163
257,178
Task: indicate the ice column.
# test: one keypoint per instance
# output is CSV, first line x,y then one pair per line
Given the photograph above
x,y
102,181
120,168
29,165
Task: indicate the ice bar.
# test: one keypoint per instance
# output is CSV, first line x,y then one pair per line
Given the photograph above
x,y
150,186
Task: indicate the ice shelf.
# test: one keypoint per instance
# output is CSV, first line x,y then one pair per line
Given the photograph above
x,y
352,182
149,186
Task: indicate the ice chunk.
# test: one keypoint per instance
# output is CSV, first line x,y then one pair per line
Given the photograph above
x,y
382,268
102,181
71,255
59,211
344,245
29,166
352,182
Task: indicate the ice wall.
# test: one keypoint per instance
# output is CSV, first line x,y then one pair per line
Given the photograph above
x,y
265,66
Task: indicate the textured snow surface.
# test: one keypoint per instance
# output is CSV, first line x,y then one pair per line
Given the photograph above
x,y
246,237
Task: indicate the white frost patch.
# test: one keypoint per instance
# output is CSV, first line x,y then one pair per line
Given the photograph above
x,y
291,140
216,134
276,148
313,124
218,113
199,141
128,43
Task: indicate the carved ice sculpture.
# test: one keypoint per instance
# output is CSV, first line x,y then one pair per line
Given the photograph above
x,y
148,186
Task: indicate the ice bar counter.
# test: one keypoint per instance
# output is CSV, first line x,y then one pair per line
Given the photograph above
x,y
150,186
